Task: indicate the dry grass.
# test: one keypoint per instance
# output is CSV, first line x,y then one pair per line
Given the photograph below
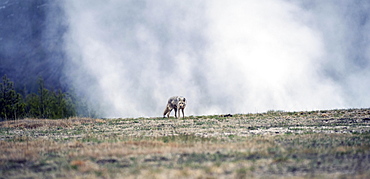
x,y
37,123
316,144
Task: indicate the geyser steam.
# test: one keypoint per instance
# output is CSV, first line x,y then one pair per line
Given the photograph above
x,y
225,57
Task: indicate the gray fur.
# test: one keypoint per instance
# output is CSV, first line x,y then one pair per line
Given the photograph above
x,y
177,103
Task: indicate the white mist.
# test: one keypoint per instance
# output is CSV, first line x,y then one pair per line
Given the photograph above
x,y
129,57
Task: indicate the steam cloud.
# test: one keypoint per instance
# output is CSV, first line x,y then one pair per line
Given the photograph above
x,y
242,56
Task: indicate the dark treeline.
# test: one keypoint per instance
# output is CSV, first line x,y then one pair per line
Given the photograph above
x,y
46,103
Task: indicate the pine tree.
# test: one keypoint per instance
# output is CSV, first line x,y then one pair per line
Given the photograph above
x,y
43,94
69,105
43,104
62,105
39,105
11,102
33,106
50,104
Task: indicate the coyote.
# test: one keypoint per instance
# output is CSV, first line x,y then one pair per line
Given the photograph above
x,y
176,103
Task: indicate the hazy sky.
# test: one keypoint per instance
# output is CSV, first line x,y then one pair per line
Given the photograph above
x,y
237,56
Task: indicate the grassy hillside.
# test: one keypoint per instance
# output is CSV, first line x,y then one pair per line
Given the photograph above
x,y
319,144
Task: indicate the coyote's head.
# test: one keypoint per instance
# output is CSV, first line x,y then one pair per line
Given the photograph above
x,y
181,102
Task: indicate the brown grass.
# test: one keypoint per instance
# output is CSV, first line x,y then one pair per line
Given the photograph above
x,y
37,123
317,144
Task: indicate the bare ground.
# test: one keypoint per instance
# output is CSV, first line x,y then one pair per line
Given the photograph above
x,y
276,144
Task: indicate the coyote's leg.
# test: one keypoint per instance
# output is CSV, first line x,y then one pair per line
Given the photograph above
x,y
183,115
176,112
169,112
165,112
